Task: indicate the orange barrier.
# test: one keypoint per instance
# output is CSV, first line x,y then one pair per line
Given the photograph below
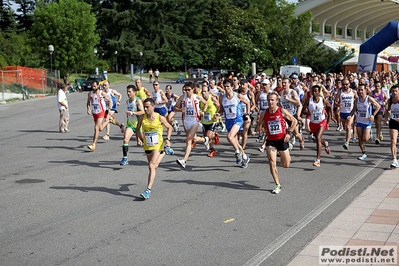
x,y
30,77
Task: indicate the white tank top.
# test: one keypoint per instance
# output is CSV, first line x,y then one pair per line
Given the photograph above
x,y
158,98
290,107
262,101
191,115
347,100
395,111
97,103
317,113
364,110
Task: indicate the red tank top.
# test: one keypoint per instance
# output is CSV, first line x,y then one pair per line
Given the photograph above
x,y
276,127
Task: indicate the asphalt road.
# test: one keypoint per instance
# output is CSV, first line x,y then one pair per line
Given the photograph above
x,y
64,205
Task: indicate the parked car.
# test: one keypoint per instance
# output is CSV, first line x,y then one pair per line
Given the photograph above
x,y
89,80
198,72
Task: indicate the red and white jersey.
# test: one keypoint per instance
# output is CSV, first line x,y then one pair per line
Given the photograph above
x,y
275,124
97,103
192,113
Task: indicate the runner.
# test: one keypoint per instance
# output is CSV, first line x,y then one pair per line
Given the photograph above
x,y
318,107
277,136
189,106
111,110
392,112
382,98
135,110
96,106
152,125
230,106
364,117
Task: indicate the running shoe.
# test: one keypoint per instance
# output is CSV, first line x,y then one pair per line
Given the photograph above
x,y
168,150
178,131
193,144
206,143
353,140
66,130
302,144
261,148
245,162
212,153
311,136
346,145
124,161
224,129
277,189
181,162
122,127
146,194
316,163
290,146
105,137
293,141
238,158
327,148
381,137
363,157
394,164
175,126
338,128
217,140
92,147
112,119
377,141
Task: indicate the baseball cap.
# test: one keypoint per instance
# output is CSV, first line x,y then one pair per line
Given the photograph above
x,y
263,74
265,81
257,77
205,76
294,76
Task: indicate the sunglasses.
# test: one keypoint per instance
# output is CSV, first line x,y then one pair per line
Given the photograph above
x,y
155,84
187,89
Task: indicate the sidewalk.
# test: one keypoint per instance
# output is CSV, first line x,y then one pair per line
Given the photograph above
x,y
372,219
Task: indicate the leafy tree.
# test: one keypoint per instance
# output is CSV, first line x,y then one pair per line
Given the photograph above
x,y
7,21
69,26
24,13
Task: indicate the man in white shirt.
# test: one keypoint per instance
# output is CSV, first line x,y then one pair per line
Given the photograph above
x,y
62,102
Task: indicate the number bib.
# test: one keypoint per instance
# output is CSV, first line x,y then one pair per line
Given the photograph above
x,y
274,127
189,111
95,108
317,117
151,138
395,114
207,117
362,114
230,111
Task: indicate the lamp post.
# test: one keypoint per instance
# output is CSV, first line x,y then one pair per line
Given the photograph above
x,y
51,50
116,61
94,59
141,63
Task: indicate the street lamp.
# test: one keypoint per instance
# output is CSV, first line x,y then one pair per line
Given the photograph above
x,y
51,50
141,63
116,61
94,59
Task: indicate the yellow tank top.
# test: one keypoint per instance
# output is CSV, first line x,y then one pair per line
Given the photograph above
x,y
152,131
209,113
141,94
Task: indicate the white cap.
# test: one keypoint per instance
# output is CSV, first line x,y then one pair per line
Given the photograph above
x,y
266,81
263,74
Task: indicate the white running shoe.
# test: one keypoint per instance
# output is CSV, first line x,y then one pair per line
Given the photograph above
x,y
394,164
277,189
206,143
363,157
261,149
181,162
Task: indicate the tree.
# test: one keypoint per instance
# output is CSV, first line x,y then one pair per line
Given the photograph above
x,y
7,21
24,13
69,26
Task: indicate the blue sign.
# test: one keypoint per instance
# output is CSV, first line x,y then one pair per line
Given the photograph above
x,y
294,60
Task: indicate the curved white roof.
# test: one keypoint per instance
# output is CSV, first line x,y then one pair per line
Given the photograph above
x,y
368,16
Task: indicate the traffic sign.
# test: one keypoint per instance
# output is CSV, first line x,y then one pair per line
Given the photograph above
x,y
294,60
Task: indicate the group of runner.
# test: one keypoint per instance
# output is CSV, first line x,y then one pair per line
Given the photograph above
x,y
278,110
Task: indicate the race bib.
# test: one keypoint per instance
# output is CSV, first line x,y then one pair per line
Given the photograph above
x,y
151,138
230,111
274,127
95,108
207,117
362,114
